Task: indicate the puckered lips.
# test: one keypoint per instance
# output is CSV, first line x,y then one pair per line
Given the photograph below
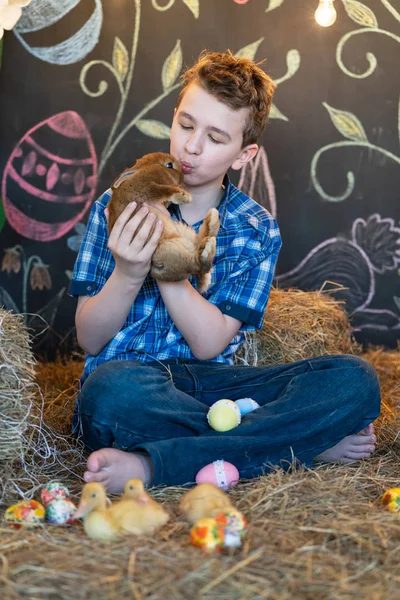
x,y
186,167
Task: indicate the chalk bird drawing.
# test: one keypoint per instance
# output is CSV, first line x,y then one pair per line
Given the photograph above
x,y
41,14
373,249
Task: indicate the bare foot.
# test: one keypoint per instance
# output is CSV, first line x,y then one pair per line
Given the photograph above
x,y
113,468
351,448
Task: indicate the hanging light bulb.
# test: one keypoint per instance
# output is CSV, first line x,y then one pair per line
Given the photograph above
x,y
325,15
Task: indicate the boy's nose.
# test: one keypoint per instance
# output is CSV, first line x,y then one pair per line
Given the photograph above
x,y
193,144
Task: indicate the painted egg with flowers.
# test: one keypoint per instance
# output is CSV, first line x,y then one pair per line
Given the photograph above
x,y
52,491
391,499
234,526
207,535
25,512
50,178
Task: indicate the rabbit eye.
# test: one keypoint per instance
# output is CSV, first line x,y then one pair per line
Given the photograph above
x,y
169,165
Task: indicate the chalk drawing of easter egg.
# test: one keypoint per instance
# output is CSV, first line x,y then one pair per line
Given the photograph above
x,y
50,178
41,14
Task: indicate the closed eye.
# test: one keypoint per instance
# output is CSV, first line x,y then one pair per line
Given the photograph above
x,y
214,140
186,127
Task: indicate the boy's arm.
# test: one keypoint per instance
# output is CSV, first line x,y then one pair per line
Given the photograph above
x,y
99,318
205,328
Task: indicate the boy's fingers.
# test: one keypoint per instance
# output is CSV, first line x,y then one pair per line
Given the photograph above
x,y
131,232
152,242
122,220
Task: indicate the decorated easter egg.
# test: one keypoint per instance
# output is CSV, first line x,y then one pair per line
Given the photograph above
x,y
246,405
207,535
50,178
220,472
234,525
79,40
53,490
224,415
60,511
391,499
26,512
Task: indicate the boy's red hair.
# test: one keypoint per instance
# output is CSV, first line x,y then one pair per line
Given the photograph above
x,y
238,83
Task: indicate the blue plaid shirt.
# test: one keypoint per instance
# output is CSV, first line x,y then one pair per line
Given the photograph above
x,y
248,245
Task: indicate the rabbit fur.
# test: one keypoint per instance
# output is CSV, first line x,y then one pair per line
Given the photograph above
x,y
157,179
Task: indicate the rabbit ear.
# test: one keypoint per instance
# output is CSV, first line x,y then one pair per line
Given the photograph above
x,y
117,182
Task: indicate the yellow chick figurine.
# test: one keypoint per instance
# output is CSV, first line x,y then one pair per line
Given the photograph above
x,y
98,521
204,500
137,512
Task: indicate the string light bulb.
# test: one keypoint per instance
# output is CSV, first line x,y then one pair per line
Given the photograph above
x,y
325,15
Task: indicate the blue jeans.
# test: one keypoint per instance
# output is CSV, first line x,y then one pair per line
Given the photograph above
x,y
160,409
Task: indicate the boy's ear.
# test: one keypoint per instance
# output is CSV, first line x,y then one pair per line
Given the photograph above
x,y
246,154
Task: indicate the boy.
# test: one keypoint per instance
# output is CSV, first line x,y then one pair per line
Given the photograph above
x,y
159,354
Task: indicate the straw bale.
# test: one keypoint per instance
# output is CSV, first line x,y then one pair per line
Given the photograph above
x,y
299,325
31,450
17,377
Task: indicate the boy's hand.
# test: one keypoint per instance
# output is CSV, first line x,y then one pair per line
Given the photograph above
x,y
131,248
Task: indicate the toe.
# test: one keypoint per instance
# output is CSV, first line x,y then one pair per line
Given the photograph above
x,y
97,460
360,452
100,477
369,430
362,440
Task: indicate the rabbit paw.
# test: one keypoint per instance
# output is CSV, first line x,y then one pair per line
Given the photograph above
x,y
207,254
181,197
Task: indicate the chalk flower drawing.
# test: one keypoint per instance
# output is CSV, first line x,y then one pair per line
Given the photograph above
x,y
364,16
122,67
346,122
37,274
351,128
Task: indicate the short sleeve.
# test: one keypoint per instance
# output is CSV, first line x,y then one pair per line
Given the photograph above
x,y
94,262
244,287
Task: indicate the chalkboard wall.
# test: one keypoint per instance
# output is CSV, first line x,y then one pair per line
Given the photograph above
x,y
88,86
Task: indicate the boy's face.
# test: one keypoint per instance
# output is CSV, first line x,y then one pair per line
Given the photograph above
x,y
207,137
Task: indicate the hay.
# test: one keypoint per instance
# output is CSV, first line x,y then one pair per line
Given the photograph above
x,y
17,375
30,450
313,535
299,325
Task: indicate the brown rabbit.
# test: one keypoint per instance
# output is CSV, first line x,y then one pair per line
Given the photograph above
x,y
157,179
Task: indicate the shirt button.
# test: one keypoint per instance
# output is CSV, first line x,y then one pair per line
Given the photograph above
x,y
228,307
89,288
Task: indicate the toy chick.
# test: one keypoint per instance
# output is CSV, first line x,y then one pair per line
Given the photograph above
x,y
204,500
